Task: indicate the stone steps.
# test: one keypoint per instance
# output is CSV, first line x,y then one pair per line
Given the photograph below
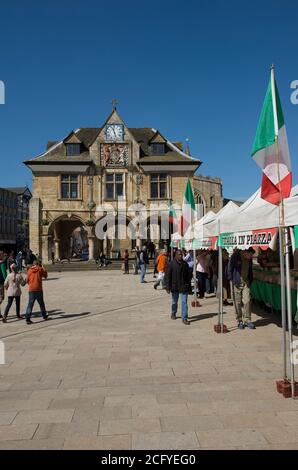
x,y
88,266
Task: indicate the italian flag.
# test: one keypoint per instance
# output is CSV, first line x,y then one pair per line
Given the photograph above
x,y
172,214
270,149
188,209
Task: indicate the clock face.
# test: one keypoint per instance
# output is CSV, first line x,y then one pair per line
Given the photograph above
x,y
114,132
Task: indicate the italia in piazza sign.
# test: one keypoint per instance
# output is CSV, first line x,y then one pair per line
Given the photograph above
x,y
261,238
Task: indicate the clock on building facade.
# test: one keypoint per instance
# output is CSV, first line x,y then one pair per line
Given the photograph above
x,y
114,132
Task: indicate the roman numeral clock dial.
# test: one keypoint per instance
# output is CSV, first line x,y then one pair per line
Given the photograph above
x,y
114,132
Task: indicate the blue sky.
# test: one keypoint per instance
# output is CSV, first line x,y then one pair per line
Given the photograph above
x,y
192,69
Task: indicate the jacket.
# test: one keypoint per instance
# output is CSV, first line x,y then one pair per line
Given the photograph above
x,y
178,277
234,269
2,272
13,284
161,263
35,274
143,259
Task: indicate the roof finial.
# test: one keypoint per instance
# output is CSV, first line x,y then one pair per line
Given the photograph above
x,y
114,104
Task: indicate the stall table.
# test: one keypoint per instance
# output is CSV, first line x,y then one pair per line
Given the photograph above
x,y
266,287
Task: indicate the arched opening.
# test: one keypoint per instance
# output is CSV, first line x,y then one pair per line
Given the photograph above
x,y
113,236
200,204
159,232
68,239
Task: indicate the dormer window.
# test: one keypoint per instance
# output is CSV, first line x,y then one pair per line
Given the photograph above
x,y
73,149
157,148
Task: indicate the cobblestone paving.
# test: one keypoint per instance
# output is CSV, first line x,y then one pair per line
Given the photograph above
x,y
111,370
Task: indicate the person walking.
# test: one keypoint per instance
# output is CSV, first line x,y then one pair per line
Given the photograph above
x,y
178,283
240,274
201,272
19,261
143,261
126,262
161,266
13,284
2,278
35,275
10,260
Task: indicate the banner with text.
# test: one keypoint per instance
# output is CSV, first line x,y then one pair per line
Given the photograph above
x,y
261,238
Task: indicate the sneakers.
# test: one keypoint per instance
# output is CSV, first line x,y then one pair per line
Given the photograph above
x,y
173,317
29,322
4,320
155,286
186,322
250,325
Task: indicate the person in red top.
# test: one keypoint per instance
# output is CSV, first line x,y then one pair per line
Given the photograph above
x,y
35,274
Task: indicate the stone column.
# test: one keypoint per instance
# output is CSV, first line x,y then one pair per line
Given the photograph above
x,y
91,248
57,249
45,256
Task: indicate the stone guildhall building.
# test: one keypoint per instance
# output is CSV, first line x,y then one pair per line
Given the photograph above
x,y
92,167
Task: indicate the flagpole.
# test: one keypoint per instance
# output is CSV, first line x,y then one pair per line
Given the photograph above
x,y
283,302
289,310
220,284
284,269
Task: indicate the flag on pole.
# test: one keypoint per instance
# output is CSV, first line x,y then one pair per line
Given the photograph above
x,y
270,148
172,214
188,209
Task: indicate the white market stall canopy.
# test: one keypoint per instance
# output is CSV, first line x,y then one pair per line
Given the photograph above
x,y
255,213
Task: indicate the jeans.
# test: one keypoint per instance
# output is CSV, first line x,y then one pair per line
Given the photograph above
x,y
9,304
32,297
175,298
201,277
143,272
209,285
126,267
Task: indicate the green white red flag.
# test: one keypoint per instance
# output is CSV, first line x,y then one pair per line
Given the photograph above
x,y
270,149
188,209
172,214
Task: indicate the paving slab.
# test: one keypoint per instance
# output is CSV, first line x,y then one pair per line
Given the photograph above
x,y
125,376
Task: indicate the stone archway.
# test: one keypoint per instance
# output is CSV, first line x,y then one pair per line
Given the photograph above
x,y
159,231
112,236
68,238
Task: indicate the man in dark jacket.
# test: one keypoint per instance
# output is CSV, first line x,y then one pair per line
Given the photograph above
x,y
178,282
241,275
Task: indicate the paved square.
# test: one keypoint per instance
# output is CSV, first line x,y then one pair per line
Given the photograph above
x,y
111,370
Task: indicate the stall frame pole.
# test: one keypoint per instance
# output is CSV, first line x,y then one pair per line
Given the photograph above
x,y
283,303
289,311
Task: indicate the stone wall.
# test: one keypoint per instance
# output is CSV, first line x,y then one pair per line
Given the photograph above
x,y
211,191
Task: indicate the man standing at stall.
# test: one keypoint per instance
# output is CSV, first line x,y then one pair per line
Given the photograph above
x,y
241,275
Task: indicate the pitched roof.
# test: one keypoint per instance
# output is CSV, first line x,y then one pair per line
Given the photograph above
x,y
142,135
19,190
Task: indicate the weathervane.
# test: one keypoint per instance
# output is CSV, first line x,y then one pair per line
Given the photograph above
x,y
114,104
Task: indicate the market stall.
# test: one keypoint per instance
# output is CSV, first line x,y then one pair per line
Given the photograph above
x,y
266,287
